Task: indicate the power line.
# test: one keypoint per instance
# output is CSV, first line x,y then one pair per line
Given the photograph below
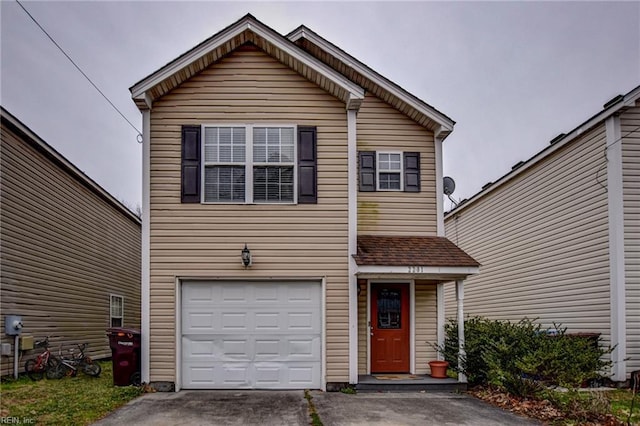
x,y
79,69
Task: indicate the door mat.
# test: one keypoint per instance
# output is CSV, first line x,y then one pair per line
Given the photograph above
x,y
396,377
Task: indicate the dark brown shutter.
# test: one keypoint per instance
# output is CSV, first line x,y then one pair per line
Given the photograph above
x,y
190,176
367,171
307,165
412,172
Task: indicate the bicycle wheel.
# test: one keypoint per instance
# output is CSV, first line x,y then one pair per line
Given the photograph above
x,y
32,369
92,369
56,370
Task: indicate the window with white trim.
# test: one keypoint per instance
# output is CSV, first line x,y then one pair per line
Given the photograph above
x,y
389,171
116,310
249,164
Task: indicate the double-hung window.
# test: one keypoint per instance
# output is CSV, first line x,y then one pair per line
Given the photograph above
x,y
273,164
224,164
116,308
389,171
249,164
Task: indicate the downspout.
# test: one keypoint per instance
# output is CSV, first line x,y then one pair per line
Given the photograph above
x,y
145,245
352,171
616,248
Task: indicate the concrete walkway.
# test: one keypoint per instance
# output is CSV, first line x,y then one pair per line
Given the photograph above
x,y
291,408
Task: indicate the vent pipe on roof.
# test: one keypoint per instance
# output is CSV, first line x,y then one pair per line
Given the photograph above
x,y
613,101
557,138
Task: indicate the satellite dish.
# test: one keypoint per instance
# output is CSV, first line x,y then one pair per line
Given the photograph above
x,y
449,185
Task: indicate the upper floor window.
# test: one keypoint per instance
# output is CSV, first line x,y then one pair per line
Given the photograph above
x,y
241,163
389,171
253,164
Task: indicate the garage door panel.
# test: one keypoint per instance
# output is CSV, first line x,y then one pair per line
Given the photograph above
x,y
251,335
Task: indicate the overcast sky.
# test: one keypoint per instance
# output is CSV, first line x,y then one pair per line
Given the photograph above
x,y
512,75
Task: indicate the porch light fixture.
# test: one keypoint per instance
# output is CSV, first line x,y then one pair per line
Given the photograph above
x,y
246,256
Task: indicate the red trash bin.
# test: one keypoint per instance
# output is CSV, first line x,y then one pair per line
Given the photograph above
x,y
125,355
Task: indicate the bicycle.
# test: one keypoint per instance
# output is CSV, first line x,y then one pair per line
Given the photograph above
x,y
44,363
82,362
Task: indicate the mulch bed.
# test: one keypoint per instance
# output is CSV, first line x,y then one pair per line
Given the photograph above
x,y
538,409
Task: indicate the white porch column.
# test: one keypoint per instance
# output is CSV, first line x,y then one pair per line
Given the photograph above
x,y
440,317
460,299
352,171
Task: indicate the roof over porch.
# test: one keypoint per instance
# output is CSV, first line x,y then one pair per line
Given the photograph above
x,y
414,257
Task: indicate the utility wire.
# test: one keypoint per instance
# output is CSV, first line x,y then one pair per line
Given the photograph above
x,y
81,72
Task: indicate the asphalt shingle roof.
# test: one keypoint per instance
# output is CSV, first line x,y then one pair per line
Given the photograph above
x,y
409,251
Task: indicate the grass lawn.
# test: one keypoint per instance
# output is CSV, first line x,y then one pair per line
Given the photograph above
x,y
621,404
77,400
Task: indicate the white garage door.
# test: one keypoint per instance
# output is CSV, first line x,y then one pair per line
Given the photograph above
x,y
260,335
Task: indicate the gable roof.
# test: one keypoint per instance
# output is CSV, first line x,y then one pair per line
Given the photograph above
x,y
246,30
408,251
418,110
614,106
29,137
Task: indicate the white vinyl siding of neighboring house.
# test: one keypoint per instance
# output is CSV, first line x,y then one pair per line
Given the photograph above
x,y
630,132
542,241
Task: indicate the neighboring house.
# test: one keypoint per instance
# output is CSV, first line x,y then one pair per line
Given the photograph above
x,y
252,139
70,261
559,235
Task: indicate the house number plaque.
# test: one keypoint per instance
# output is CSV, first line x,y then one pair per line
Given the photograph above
x,y
415,269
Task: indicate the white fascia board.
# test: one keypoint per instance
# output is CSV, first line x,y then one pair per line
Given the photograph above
x,y
629,100
139,90
446,124
69,166
410,271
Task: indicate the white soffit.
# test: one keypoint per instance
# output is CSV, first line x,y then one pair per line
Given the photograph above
x,y
248,23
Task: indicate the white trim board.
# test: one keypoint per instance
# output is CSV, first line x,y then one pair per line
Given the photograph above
x,y
419,272
616,248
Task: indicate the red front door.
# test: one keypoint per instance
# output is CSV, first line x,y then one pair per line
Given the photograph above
x,y
389,328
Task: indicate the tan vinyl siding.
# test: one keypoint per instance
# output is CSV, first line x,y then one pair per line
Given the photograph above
x,y
363,327
298,241
64,251
426,325
630,124
542,240
383,128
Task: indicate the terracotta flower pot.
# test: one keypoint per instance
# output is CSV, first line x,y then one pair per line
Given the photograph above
x,y
438,369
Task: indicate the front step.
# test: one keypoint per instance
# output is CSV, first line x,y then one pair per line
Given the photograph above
x,y
407,383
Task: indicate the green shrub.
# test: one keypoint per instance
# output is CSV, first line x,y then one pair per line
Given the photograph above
x,y
520,357
565,360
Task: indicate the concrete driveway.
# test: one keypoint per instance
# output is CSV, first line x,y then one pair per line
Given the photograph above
x,y
291,408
